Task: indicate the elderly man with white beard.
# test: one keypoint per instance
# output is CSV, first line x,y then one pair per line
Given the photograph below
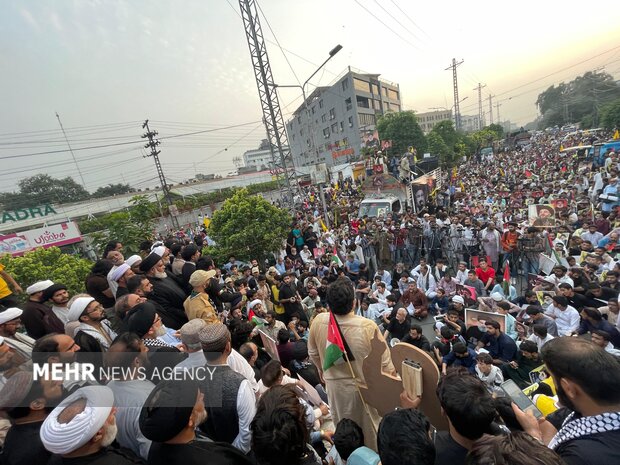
x,y
166,291
82,427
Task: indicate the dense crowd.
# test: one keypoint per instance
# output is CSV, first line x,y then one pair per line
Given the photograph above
x,y
507,276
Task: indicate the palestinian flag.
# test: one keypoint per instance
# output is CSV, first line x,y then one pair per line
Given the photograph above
x,y
336,346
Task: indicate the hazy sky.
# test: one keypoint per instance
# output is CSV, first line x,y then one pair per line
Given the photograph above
x,y
105,66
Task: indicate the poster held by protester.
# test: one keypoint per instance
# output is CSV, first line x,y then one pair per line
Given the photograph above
x,y
541,216
478,318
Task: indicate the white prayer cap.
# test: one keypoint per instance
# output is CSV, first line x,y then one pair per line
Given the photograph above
x,y
497,297
77,308
131,261
458,299
39,286
119,271
161,250
10,314
64,438
156,244
255,302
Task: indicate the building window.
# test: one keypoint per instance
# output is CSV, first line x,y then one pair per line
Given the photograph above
x,y
392,94
334,128
360,85
326,133
299,119
362,102
323,118
332,113
293,137
376,104
394,107
375,89
348,103
350,121
341,126
313,110
384,91
321,103
301,131
366,120
345,84
308,142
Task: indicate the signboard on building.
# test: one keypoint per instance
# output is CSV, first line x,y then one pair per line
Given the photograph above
x,y
342,153
51,236
21,214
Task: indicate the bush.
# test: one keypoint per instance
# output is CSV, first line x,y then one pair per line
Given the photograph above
x,y
41,264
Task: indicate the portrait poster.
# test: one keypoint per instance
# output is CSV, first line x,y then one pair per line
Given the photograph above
x,y
468,293
546,264
479,318
269,345
420,196
541,216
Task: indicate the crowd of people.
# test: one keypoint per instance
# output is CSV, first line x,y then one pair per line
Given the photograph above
x,y
471,279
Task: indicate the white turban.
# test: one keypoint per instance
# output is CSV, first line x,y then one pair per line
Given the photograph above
x,y
77,308
254,303
119,271
39,286
131,261
161,250
10,314
64,438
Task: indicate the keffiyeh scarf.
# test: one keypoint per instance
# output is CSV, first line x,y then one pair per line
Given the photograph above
x,y
585,426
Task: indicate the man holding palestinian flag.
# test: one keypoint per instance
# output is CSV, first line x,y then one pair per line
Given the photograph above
x,y
338,343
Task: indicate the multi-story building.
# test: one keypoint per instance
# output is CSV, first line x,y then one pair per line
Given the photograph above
x,y
337,116
428,120
470,123
260,158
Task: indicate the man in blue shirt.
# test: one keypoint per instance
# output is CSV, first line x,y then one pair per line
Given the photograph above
x,y
460,356
352,265
500,346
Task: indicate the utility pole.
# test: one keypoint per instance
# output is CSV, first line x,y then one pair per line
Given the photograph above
x,y
71,150
479,89
457,112
497,105
152,144
491,108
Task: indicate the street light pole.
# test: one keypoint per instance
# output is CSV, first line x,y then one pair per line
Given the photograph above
x,y
332,53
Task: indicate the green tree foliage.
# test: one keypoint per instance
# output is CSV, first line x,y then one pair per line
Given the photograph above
x,y
129,227
248,226
111,189
41,264
610,115
41,189
497,129
573,101
403,130
437,146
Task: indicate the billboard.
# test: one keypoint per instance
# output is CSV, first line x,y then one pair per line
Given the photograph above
x,y
50,236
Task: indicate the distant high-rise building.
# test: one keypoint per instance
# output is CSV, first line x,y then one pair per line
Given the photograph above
x,y
339,118
260,158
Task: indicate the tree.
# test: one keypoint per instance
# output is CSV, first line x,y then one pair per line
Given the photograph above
x,y
497,129
51,263
403,130
41,189
129,227
438,147
111,189
248,226
610,115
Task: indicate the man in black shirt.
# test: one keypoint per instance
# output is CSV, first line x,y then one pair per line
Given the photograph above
x,y
599,296
575,300
470,410
169,418
26,403
398,327
290,298
416,338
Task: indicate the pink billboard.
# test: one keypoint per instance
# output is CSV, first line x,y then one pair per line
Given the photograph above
x,y
50,236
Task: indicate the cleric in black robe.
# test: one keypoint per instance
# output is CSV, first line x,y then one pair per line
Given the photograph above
x,y
169,418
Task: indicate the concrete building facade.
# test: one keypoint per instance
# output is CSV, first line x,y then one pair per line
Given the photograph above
x,y
428,120
338,116
260,158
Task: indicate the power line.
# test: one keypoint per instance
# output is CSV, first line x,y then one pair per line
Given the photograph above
x,y
411,20
387,27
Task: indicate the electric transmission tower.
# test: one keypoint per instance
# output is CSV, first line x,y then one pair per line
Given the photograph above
x,y
480,114
283,167
491,108
152,144
457,111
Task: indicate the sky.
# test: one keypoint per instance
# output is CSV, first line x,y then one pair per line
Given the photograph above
x,y
106,66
